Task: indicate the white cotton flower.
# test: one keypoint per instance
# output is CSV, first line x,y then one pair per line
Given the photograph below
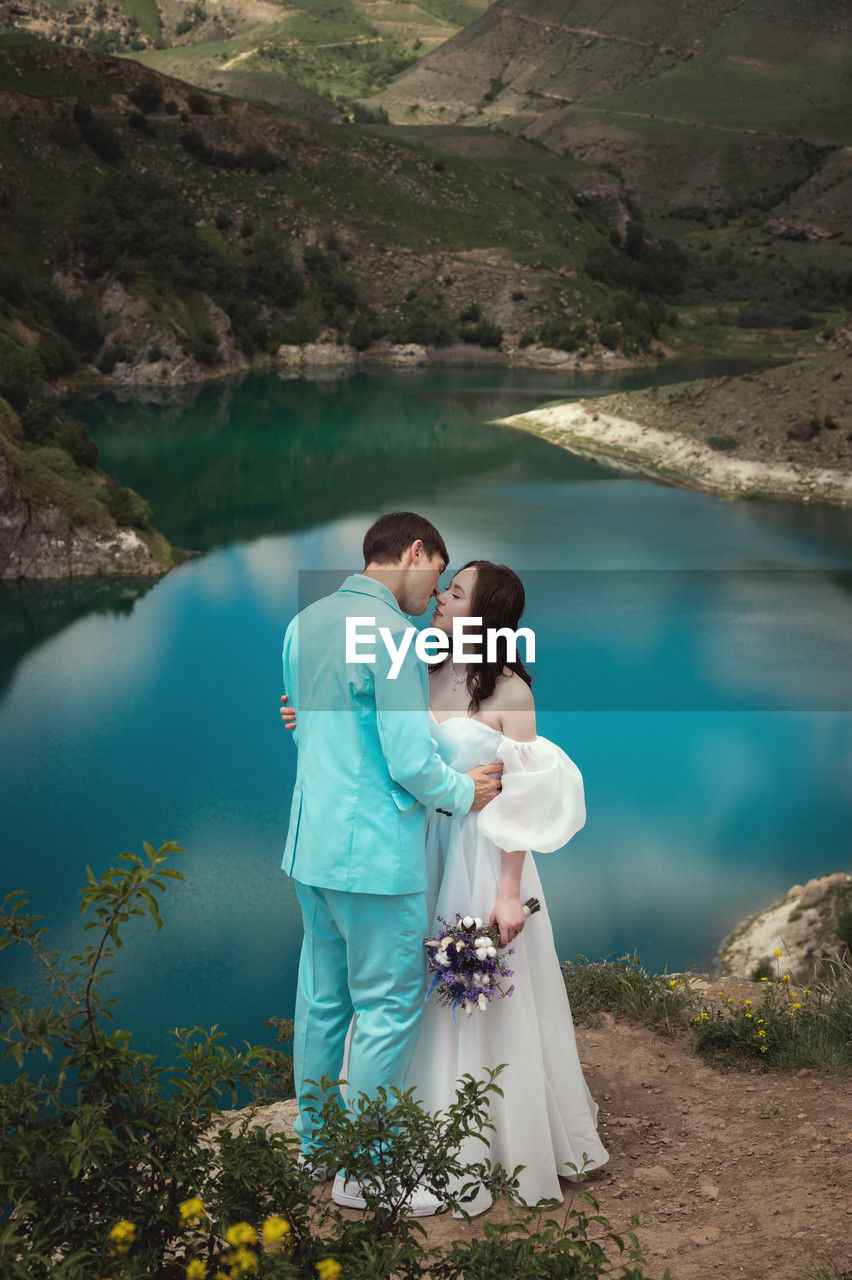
x,y
491,952
482,941
482,953
468,922
486,979
468,1007
443,959
482,1002
477,922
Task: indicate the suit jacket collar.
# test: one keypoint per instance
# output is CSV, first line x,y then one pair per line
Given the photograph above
x,y
359,584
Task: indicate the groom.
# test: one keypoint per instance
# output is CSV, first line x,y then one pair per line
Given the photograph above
x,y
367,771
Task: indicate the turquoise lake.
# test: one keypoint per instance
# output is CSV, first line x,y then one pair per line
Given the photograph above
x,y
693,659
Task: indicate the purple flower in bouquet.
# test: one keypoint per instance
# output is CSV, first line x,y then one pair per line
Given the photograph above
x,y
467,964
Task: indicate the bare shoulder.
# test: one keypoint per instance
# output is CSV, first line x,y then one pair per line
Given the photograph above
x,y
515,705
513,693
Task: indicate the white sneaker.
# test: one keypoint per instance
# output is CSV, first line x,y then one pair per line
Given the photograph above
x,y
419,1204
347,1194
319,1172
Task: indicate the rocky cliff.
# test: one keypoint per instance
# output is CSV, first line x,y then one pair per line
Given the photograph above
x,y
55,520
789,936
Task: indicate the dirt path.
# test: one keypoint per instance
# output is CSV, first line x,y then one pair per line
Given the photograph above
x,y
737,1174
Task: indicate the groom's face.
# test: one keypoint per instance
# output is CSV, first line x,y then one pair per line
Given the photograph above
x,y
422,583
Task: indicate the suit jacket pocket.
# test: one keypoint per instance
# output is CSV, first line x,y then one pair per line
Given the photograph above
x,y
403,800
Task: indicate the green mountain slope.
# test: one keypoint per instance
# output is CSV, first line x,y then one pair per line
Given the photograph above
x,y
287,54
699,104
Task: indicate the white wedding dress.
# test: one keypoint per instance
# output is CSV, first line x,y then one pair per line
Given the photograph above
x,y
546,1119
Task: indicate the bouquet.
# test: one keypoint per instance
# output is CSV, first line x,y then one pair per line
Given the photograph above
x,y
466,962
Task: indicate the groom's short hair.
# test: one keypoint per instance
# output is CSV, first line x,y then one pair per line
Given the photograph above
x,y
391,535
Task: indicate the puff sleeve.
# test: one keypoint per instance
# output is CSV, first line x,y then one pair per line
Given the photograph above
x,y
542,803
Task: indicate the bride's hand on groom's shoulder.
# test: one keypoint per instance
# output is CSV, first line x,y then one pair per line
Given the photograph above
x,y
288,715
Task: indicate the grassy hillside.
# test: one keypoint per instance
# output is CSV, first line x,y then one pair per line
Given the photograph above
x,y
156,232
707,108
261,49
195,227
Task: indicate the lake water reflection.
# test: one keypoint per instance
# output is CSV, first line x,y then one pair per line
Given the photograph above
x,y
693,661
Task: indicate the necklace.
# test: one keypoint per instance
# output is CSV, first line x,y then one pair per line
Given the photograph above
x,y
457,680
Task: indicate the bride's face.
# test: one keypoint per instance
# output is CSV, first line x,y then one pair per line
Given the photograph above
x,y
455,601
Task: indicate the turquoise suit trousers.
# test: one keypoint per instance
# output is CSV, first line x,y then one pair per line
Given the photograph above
x,y
371,946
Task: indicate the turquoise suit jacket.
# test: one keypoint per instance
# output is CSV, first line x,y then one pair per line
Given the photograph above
x,y
368,767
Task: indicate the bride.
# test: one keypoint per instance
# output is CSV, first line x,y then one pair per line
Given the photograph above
x,y
481,865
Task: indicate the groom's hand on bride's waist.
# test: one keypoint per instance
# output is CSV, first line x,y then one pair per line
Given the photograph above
x,y
486,783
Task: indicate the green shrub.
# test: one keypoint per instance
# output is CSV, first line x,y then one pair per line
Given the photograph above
x,y
114,353
366,330
483,334
98,133
199,104
147,96
202,343
125,506
21,376
335,290
471,314
108,1163
141,124
272,272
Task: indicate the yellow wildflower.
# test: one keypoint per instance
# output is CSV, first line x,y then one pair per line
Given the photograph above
x,y
196,1270
328,1269
122,1235
778,952
748,1002
673,982
191,1210
763,1048
749,1015
797,1005
243,1262
764,979
761,1033
241,1233
786,978
274,1233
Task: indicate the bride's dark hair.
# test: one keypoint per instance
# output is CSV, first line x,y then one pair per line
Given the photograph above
x,y
498,598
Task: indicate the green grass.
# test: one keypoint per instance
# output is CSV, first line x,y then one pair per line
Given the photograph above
x,y
787,1028
624,988
805,96
146,13
792,1027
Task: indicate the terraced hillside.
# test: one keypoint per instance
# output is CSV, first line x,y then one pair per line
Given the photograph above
x,y
702,105
291,54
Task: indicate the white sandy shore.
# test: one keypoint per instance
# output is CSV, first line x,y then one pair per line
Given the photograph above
x,y
678,459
